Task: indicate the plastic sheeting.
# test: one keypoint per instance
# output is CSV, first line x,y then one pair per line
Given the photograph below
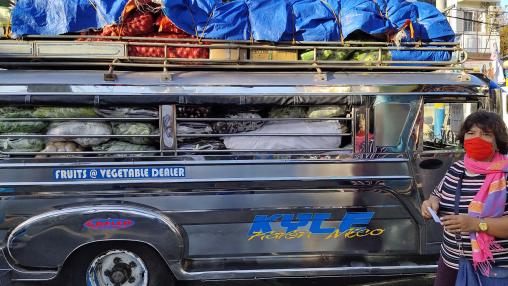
x,y
54,17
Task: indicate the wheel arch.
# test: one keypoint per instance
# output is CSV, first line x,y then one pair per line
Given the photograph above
x,y
47,240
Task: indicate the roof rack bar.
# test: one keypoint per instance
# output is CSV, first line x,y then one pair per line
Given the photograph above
x,y
333,43
71,51
236,67
331,94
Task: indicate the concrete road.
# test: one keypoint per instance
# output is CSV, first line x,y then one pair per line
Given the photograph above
x,y
372,281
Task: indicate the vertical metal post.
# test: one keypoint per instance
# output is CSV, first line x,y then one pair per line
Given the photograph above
x,y
367,125
353,127
175,129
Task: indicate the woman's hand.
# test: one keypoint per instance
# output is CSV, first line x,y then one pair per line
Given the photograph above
x,y
432,202
460,223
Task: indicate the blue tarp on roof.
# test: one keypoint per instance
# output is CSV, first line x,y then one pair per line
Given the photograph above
x,y
267,20
54,17
309,20
306,20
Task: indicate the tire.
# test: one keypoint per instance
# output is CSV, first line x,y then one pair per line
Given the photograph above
x,y
94,264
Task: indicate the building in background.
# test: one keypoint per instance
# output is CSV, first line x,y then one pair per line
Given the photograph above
x,y
476,25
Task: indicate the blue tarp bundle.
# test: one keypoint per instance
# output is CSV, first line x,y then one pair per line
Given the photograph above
x,y
54,17
262,20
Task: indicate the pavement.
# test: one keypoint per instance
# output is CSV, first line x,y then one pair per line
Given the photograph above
x,y
425,280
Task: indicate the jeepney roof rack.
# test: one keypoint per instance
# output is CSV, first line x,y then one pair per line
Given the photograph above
x,y
112,53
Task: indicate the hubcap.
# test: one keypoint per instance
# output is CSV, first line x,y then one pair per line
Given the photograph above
x,y
117,268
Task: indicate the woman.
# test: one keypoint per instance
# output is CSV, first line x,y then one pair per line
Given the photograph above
x,y
483,213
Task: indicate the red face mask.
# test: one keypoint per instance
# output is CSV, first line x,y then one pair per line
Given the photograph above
x,y
478,149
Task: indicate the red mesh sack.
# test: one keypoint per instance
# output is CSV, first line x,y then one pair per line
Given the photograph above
x,y
137,24
165,25
172,52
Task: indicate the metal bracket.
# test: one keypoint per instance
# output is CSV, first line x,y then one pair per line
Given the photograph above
x,y
320,76
166,76
110,75
464,77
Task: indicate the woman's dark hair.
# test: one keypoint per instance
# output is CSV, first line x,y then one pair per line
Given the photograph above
x,y
488,122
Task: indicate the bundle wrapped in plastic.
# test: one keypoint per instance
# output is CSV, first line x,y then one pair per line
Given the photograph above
x,y
194,128
228,127
326,112
65,112
81,128
134,128
120,146
21,144
288,112
201,145
126,112
311,141
60,147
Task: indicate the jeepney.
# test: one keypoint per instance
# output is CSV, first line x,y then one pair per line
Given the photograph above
x,y
286,193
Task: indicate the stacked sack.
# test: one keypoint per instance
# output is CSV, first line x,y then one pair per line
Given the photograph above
x,y
248,129
105,130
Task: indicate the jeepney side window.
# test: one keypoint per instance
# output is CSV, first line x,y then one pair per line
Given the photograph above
x,y
386,119
441,125
363,122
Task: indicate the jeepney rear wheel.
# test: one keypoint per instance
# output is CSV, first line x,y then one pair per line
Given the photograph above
x,y
117,264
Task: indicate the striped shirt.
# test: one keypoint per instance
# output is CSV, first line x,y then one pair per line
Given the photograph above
x,y
445,191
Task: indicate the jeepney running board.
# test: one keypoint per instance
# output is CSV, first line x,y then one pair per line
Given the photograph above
x,y
303,272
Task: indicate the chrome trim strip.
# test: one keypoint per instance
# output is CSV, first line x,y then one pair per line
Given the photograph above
x,y
257,179
202,163
303,272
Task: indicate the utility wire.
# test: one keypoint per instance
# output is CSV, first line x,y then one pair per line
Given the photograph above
x,y
476,21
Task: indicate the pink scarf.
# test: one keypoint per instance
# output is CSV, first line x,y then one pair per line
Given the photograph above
x,y
488,202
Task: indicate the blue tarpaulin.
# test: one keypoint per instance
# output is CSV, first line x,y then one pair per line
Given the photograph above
x,y
431,26
54,17
267,20
309,20
362,15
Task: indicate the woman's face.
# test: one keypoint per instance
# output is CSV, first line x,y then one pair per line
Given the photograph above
x,y
475,131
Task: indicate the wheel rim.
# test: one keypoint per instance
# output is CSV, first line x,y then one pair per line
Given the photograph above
x,y
117,268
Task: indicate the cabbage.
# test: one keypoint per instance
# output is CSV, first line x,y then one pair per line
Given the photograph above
x,y
21,144
16,112
329,55
65,112
288,112
326,112
120,146
134,128
22,126
371,57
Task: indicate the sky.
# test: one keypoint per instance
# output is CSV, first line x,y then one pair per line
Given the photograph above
x,y
504,2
